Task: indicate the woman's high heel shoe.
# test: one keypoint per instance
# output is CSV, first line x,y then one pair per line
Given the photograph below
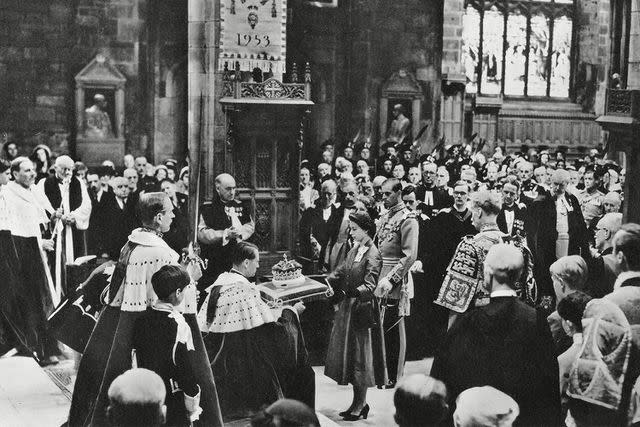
x,y
353,417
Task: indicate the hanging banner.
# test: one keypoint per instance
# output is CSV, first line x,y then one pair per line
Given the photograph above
x,y
253,33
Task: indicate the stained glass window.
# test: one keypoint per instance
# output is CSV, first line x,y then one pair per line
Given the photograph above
x,y
471,47
518,47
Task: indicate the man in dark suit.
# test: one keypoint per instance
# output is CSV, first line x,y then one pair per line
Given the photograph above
x,y
512,217
431,198
115,219
555,228
223,222
319,223
505,344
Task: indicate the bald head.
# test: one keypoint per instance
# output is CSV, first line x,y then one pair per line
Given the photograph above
x,y
226,187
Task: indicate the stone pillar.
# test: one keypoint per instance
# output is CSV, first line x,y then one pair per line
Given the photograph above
x,y
200,75
633,79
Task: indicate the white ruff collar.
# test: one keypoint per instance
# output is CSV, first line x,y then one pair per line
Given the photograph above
x,y
240,308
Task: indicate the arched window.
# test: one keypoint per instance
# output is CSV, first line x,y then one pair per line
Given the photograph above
x,y
518,48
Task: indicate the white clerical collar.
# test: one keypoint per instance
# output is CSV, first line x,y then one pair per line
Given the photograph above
x,y
504,293
624,276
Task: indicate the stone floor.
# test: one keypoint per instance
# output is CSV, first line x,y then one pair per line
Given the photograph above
x,y
33,396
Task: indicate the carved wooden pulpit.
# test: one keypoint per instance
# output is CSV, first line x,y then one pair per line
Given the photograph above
x,y
265,137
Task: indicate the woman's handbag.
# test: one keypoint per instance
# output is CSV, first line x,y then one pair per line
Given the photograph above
x,y
365,314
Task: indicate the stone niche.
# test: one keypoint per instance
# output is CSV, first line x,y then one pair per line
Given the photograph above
x,y
401,88
100,113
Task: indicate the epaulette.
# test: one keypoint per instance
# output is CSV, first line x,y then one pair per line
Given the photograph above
x,y
206,203
444,210
522,205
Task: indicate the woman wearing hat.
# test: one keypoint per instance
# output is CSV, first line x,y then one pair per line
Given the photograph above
x,y
355,353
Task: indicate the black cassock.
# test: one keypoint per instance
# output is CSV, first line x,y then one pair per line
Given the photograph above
x,y
256,367
158,348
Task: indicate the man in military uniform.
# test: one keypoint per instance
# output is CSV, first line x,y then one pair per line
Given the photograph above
x,y
223,222
463,286
397,240
591,199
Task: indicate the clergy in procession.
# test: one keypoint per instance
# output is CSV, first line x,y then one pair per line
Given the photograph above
x,y
223,223
70,199
397,241
28,212
257,354
130,293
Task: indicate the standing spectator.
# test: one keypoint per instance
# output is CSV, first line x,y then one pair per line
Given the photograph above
x,y
513,215
308,195
603,268
319,223
128,161
114,219
183,181
626,293
355,353
105,174
505,344
339,243
10,150
569,274
591,198
555,229
442,180
397,240
80,172
140,164
132,178
42,158
223,223
571,310
68,196
93,185
178,235
429,195
612,202
413,177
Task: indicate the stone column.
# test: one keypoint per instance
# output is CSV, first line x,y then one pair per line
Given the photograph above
x,y
633,79
200,76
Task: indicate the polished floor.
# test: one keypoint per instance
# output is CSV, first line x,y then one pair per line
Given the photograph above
x,y
31,396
